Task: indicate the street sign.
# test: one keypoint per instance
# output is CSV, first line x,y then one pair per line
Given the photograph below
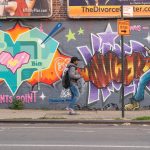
x,y
123,27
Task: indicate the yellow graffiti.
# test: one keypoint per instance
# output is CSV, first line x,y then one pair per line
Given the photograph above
x,y
13,62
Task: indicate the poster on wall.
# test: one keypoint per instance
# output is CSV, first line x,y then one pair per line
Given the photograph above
x,y
25,8
106,8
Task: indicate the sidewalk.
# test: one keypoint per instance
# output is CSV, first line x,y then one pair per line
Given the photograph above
x,y
7,115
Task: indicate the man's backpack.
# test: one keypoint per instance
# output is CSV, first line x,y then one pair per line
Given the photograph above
x,y
66,79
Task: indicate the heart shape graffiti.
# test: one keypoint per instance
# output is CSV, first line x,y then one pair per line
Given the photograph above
x,y
14,63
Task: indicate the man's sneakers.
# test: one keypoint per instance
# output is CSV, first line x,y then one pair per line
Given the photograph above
x,y
71,111
132,106
67,108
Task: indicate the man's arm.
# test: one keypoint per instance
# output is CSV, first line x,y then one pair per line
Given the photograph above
x,y
73,74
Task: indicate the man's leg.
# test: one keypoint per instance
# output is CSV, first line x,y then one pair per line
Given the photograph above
x,y
75,96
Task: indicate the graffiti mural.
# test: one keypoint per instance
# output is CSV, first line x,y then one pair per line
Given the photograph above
x,y
103,65
24,58
34,56
20,57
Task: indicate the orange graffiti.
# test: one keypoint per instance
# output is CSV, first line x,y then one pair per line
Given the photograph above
x,y
104,69
17,30
53,73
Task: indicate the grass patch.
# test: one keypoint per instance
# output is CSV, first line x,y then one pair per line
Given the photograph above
x,y
52,118
142,118
118,118
17,105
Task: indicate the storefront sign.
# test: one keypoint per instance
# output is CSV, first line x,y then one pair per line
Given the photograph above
x,y
107,8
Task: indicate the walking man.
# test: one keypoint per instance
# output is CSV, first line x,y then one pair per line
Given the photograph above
x,y
74,84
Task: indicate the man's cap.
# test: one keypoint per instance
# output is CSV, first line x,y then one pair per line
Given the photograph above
x,y
75,59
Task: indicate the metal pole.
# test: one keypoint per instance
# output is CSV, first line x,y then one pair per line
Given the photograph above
x,y
122,62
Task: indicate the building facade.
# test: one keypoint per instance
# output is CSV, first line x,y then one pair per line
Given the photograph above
x,y
34,53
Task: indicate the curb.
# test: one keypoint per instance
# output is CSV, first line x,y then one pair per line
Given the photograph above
x,y
14,121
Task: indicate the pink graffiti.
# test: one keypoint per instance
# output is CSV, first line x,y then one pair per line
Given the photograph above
x,y
136,28
41,27
14,63
6,99
26,98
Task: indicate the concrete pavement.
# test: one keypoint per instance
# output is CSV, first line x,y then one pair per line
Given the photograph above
x,y
79,136
62,116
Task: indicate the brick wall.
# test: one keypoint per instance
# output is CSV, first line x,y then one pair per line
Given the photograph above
x,y
59,11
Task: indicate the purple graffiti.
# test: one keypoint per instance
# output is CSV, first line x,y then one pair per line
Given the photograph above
x,y
104,43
